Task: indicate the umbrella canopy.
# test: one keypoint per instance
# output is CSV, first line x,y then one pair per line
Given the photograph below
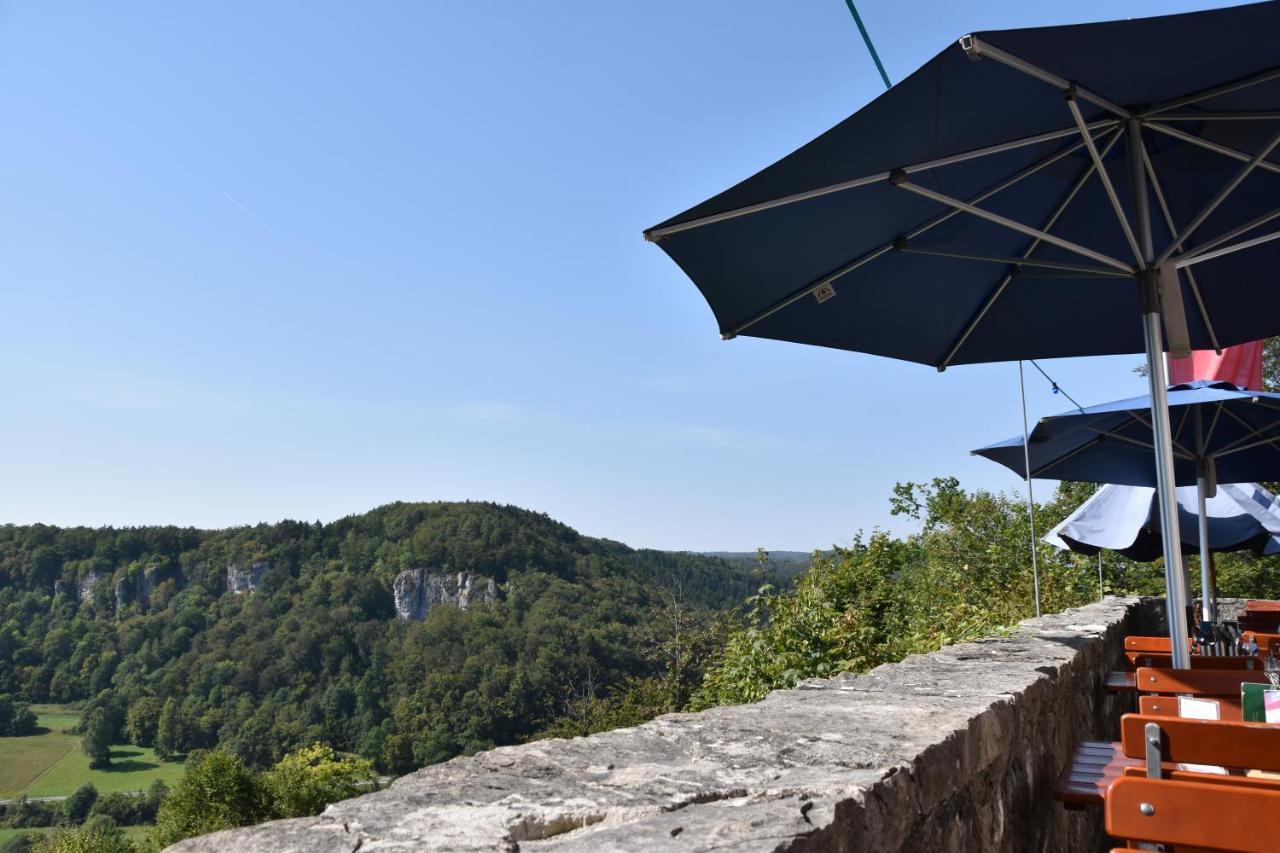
x,y
960,217
1216,427
1058,191
1125,519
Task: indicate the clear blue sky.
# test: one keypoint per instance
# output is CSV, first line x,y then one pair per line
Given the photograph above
x,y
299,259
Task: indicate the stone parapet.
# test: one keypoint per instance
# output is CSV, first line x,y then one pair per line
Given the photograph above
x,y
956,750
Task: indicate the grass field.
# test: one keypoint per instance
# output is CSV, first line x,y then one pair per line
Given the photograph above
x,y
51,763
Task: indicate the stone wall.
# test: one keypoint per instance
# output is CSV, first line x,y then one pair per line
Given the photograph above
x,y
952,751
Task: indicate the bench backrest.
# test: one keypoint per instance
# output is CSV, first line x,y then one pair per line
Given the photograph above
x,y
1268,623
1147,644
1195,814
1158,659
1196,682
1266,642
1167,706
1229,744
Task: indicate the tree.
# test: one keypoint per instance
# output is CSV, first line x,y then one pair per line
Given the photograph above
x,y
143,721
95,739
170,737
305,781
80,802
217,792
99,835
16,718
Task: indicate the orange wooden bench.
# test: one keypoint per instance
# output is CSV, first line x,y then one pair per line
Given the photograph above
x,y
1194,814
1164,659
1220,685
1266,642
1095,766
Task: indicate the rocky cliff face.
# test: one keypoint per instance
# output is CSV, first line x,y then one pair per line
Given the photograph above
x,y
240,579
88,583
418,590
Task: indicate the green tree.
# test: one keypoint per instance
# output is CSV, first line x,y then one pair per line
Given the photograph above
x,y
143,721
95,739
305,781
170,738
217,792
16,718
80,802
99,835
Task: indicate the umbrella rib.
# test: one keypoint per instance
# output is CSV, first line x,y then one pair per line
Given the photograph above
x,y
1191,276
1213,424
1217,148
899,180
1258,115
999,289
1236,232
1232,447
1179,451
1269,442
1104,177
810,288
1039,472
976,48
1173,440
992,259
1196,258
1223,89
1228,189
655,234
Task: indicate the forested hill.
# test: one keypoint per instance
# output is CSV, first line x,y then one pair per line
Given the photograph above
x,y
408,634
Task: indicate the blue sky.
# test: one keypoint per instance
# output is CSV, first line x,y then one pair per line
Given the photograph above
x,y
299,259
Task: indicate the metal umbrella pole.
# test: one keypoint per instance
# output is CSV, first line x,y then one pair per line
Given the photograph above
x,y
1031,503
1208,602
1166,490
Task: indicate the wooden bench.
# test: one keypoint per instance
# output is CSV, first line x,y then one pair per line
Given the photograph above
x,y
1194,814
1161,659
1096,765
1266,642
1200,683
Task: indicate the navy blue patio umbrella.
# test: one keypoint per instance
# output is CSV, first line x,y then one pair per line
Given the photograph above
x,y
1220,433
1058,191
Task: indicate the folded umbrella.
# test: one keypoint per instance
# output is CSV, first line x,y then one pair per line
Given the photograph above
x,y
1126,519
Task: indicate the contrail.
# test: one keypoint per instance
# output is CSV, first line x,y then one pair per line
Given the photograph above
x,y
247,212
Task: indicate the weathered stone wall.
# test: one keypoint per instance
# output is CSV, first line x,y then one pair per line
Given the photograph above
x,y
952,751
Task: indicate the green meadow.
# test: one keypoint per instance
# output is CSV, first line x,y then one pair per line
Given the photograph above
x,y
50,763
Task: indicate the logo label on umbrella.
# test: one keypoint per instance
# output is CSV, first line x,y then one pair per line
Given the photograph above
x,y
823,293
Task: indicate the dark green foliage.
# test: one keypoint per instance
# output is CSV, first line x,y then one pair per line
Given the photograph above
x,y
16,718
80,802
95,738
143,721
217,792
98,835
171,733
22,813
220,792
316,653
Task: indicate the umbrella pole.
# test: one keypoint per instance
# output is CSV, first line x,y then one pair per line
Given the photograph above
x,y
1102,593
1174,579
1031,501
1208,606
